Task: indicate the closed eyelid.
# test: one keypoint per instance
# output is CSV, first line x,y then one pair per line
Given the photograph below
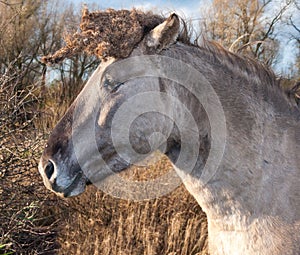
x,y
117,85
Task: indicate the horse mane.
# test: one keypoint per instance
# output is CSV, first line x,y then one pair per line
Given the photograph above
x,y
115,33
251,69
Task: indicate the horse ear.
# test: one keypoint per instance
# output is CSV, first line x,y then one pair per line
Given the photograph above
x,y
165,34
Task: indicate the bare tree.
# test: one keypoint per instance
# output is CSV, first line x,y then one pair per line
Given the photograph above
x,y
295,36
17,28
31,29
243,26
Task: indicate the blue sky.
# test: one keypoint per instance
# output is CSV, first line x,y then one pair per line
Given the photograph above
x,y
192,10
189,8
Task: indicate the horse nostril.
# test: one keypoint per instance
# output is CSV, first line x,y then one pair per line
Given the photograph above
x,y
49,169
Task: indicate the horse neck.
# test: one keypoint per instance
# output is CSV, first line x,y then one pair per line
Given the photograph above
x,y
243,185
245,199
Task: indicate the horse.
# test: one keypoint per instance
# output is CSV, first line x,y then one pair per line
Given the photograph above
x,y
222,119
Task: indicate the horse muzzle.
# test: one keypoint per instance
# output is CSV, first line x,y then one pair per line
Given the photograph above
x,y
64,183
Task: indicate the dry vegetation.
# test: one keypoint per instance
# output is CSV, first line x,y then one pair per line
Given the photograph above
x,y
101,224
21,200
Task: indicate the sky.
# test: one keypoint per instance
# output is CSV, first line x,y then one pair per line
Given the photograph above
x,y
192,10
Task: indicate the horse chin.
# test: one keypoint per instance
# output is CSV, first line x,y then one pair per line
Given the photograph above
x,y
76,188
88,182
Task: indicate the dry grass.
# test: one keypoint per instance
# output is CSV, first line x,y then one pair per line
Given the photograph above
x,y
101,224
25,228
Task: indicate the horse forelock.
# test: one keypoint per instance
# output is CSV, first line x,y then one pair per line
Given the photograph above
x,y
109,33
